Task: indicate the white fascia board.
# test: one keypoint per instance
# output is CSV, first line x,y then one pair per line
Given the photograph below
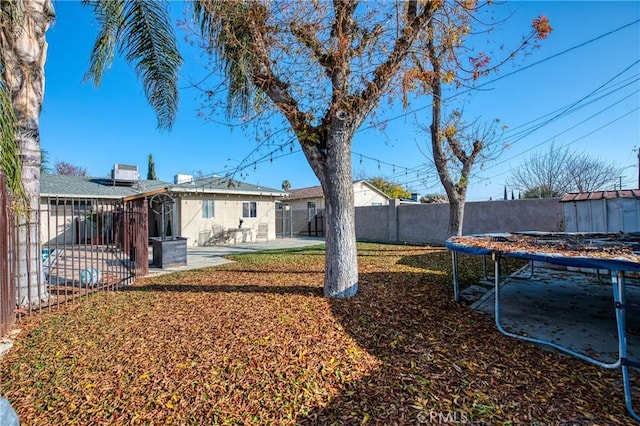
x,y
103,197
225,192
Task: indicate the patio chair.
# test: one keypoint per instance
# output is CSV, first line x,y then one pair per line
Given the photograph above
x,y
263,232
218,235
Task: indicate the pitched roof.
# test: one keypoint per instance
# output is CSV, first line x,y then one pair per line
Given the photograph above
x,y
96,187
225,185
301,193
316,191
599,195
93,187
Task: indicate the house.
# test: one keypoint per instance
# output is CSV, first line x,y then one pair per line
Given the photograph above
x,y
312,198
193,208
204,205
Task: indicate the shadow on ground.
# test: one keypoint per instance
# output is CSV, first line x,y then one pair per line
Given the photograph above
x,y
443,363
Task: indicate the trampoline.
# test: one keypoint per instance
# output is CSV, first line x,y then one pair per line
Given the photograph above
x,y
618,253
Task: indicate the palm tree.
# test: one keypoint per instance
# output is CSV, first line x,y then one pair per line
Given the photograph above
x,y
138,30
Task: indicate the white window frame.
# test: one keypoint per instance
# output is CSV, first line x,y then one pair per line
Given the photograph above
x,y
208,209
249,209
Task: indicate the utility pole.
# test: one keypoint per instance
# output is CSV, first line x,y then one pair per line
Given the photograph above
x,y
638,168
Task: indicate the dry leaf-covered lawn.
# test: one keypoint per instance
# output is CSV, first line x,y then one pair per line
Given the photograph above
x,y
255,342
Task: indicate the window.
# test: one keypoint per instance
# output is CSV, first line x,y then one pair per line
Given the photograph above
x,y
207,209
69,207
249,209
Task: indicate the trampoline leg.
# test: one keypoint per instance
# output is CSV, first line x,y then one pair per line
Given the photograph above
x,y
456,283
537,341
617,281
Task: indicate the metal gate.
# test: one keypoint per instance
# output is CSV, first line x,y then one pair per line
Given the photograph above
x,y
290,222
284,221
7,283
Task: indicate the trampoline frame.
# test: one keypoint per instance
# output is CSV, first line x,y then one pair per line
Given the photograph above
x,y
617,266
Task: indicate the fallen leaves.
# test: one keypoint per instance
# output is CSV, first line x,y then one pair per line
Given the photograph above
x,y
255,342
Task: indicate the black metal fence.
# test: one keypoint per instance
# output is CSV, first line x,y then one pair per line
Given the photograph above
x,y
84,245
89,244
7,282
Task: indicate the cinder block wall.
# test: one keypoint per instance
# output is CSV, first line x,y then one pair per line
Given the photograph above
x,y
427,223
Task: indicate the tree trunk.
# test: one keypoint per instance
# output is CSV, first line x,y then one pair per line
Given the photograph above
x,y
456,216
24,50
333,169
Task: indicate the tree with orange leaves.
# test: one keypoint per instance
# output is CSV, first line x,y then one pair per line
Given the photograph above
x,y
455,144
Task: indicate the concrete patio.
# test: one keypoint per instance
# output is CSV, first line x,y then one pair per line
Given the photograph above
x,y
572,309
206,256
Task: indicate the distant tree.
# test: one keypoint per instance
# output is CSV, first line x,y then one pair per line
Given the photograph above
x,y
392,189
44,162
433,199
505,193
286,185
512,195
542,192
67,169
151,169
457,147
561,170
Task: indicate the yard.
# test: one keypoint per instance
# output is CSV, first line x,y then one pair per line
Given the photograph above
x,y
255,342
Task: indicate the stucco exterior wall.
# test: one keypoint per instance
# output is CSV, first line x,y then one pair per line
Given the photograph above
x,y
364,195
227,213
301,204
427,223
372,223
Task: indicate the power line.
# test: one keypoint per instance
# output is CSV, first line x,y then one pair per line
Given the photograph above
x,y
246,162
573,141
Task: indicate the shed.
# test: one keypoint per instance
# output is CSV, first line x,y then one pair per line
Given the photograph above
x,y
602,211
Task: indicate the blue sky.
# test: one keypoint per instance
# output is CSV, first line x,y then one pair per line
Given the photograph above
x,y
97,127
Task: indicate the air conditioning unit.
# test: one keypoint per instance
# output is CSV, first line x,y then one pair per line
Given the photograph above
x,y
181,178
124,173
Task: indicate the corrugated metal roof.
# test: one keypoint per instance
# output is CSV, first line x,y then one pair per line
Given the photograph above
x,y
599,195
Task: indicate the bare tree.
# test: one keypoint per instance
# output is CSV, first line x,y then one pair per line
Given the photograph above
x,y
589,173
561,170
456,146
67,169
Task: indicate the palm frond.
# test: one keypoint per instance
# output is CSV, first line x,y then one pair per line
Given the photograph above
x,y
109,16
11,15
10,161
224,24
142,32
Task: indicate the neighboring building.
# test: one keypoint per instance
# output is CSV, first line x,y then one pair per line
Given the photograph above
x,y
201,206
602,211
312,198
301,212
